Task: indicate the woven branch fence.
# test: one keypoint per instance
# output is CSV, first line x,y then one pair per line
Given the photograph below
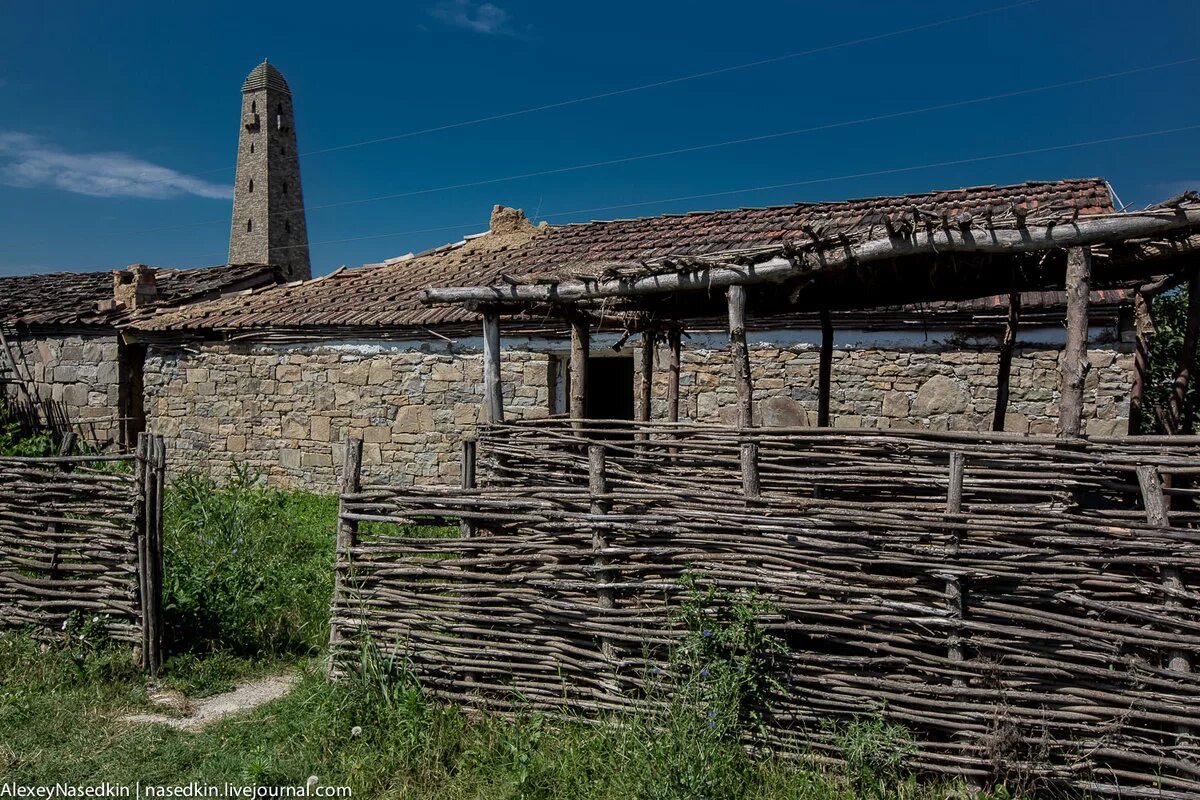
x,y
1025,606
83,535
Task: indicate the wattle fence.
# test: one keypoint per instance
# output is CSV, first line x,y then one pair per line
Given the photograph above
x,y
81,540
1025,606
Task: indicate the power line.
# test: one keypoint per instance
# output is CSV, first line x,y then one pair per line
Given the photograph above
x,y
645,86
714,145
681,79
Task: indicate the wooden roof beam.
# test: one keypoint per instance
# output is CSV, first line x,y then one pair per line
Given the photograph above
x,y
1081,232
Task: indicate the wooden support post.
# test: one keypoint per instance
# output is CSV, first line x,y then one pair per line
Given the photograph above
x,y
467,529
493,393
1074,361
675,348
750,482
1143,328
580,345
1004,370
347,539
954,591
1179,409
825,369
1155,502
646,379
739,354
598,486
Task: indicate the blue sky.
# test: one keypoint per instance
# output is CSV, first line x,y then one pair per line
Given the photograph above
x,y
118,122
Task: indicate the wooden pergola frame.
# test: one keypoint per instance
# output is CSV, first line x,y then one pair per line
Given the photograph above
x,y
1155,247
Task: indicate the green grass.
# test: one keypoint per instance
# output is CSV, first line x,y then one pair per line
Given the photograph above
x,y
247,570
60,721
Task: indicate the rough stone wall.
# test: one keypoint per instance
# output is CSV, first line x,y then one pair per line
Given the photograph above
x,y
285,412
878,388
75,373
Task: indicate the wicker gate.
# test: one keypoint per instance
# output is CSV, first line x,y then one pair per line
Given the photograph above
x,y
81,543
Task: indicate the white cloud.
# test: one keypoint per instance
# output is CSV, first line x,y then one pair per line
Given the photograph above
x,y
478,17
27,161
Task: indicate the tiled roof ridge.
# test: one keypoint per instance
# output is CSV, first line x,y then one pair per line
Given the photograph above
x,y
813,204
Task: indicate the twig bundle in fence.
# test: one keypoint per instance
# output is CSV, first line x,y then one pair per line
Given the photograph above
x,y
82,534
1024,605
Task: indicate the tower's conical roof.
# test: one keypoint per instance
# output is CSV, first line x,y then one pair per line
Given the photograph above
x,y
265,76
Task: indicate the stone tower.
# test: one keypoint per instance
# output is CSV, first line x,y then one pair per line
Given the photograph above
x,y
268,206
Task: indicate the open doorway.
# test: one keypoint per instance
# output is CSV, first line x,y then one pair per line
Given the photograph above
x,y
610,387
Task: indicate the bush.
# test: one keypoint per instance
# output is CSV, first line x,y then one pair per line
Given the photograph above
x,y
247,569
15,442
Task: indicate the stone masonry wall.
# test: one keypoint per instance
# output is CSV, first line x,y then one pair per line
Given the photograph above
x,y
76,373
285,411
940,389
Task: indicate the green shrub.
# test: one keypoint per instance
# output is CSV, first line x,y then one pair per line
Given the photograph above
x,y
15,442
247,569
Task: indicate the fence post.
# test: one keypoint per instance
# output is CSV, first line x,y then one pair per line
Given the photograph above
x,y
467,529
954,591
1154,501
347,538
156,485
750,485
598,486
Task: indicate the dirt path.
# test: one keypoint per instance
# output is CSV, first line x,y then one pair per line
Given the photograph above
x,y
201,713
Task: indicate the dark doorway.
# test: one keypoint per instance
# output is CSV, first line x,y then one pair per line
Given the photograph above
x,y
610,388
131,410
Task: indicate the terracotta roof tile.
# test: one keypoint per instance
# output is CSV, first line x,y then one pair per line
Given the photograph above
x,y
386,295
73,298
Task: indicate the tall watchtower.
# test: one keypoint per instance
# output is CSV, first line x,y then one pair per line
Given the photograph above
x,y
268,205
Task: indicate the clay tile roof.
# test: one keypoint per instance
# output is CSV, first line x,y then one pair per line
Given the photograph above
x,y
386,295
74,298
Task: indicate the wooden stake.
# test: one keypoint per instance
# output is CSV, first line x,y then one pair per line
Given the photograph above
x,y
1178,410
347,539
740,355
466,529
954,593
750,482
598,486
157,451
1155,502
580,345
1004,370
825,371
675,347
493,395
1074,363
1143,327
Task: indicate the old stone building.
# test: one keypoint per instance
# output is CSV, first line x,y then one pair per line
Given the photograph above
x,y
63,359
277,378
232,368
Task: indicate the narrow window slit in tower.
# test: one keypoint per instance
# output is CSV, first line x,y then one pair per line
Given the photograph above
x,y
249,226
251,187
